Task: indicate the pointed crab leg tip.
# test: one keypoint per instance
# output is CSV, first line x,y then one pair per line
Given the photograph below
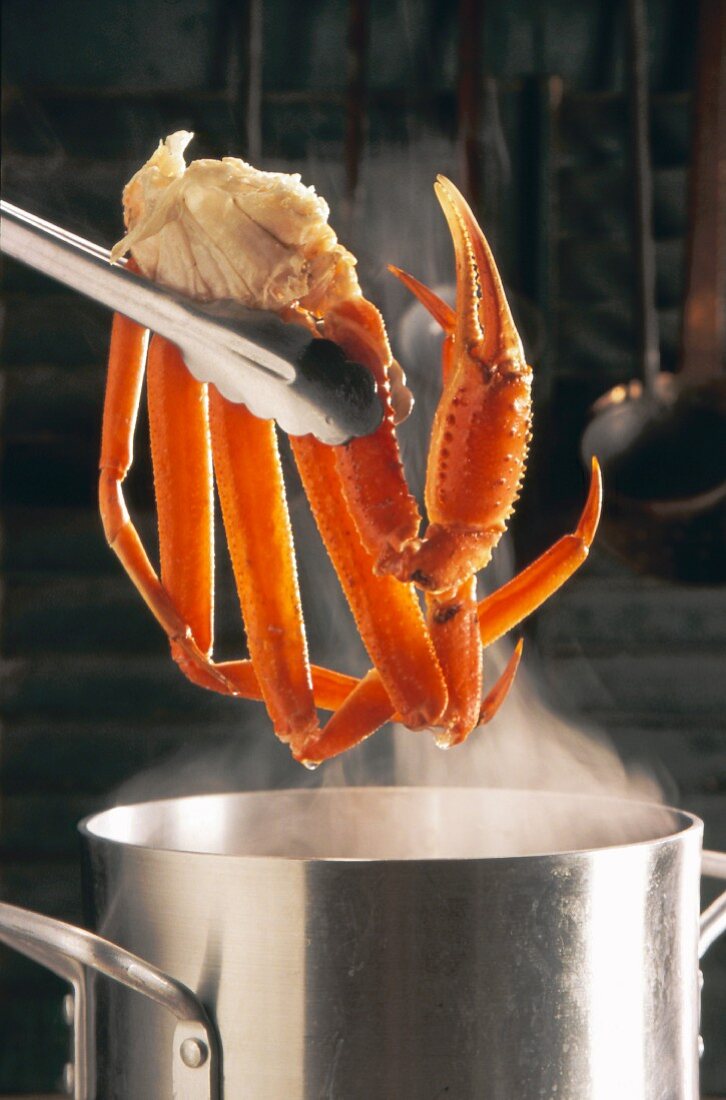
x,y
440,310
501,689
590,517
511,669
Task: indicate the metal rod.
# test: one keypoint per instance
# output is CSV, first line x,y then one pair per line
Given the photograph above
x,y
645,270
704,318
355,122
252,92
469,96
713,919
62,948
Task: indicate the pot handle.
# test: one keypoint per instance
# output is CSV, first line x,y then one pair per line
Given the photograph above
x,y
68,951
713,919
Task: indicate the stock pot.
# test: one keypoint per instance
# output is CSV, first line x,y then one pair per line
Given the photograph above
x,y
407,943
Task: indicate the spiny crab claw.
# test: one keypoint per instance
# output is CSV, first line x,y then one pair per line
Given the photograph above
x,y
482,426
484,324
482,321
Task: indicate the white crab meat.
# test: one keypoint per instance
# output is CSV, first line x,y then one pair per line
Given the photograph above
x,y
223,229
219,229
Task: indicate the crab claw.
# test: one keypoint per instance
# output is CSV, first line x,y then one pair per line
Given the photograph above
x,y
481,429
484,324
440,310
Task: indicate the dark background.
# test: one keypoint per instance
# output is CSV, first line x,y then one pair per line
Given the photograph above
x,y
527,110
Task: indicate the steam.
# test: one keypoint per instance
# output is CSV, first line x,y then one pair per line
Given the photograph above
x,y
386,823
527,745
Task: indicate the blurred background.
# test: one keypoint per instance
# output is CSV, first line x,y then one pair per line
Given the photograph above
x,y
532,108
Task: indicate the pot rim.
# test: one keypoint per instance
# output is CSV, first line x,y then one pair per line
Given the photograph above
x,y
685,823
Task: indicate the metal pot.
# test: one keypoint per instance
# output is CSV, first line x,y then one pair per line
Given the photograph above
x,y
386,942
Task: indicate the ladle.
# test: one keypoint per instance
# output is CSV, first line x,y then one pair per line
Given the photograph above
x,y
662,440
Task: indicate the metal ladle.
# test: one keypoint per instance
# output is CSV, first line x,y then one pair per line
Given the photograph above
x,y
662,440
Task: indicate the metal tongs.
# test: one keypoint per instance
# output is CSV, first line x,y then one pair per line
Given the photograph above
x,y
278,370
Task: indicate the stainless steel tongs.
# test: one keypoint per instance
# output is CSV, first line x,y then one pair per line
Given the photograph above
x,y
277,369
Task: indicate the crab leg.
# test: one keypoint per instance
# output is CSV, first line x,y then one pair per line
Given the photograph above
x,y
454,626
519,597
387,613
481,428
496,696
254,509
123,391
368,708
367,704
384,511
330,688
452,616
365,710
179,429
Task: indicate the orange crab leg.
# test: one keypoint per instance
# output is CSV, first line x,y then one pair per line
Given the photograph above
x,y
384,511
386,612
330,688
252,493
180,451
519,597
494,699
182,471
481,428
364,711
123,391
362,707
454,626
369,707
452,616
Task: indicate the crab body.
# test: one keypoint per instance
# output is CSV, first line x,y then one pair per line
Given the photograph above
x,y
221,229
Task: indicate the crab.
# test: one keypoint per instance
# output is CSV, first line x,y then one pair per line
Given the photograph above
x,y
222,229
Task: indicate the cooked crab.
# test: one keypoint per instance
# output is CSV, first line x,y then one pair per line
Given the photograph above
x,y
222,229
